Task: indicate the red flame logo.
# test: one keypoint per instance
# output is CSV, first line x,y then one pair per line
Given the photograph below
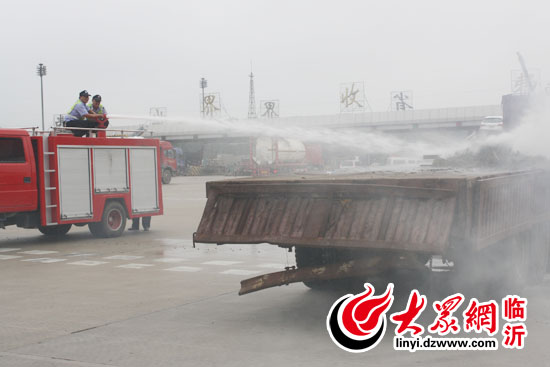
x,y
357,323
361,314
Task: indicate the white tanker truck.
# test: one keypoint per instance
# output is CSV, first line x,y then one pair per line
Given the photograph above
x,y
282,155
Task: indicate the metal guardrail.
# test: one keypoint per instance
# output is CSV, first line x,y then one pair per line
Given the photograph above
x,y
437,118
90,130
34,131
467,113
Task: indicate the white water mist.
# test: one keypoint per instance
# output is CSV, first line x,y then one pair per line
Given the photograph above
x,y
365,142
532,136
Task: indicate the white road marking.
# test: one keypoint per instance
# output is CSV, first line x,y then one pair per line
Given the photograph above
x,y
88,262
79,254
175,241
45,260
9,249
189,269
123,257
179,198
8,257
272,266
134,266
38,252
240,272
171,260
221,262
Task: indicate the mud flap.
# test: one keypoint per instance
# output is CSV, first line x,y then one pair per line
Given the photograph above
x,y
347,269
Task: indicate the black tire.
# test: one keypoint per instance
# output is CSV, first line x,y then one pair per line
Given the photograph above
x,y
500,269
166,176
58,230
113,221
477,273
516,272
311,256
539,252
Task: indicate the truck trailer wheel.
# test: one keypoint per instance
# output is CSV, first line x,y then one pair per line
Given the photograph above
x,y
311,256
113,221
58,230
166,176
539,252
497,270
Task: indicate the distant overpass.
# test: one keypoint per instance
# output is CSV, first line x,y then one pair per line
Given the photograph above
x,y
440,118
452,118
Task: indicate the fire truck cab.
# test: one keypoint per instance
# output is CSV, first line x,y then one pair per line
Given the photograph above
x,y
51,181
168,160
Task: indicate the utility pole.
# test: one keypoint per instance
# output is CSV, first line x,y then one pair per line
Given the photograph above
x,y
203,84
41,71
251,99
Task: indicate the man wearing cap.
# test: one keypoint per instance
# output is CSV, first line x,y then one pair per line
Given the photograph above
x,y
78,114
96,106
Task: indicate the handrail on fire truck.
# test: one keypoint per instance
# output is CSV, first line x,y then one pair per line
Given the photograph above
x,y
35,131
94,129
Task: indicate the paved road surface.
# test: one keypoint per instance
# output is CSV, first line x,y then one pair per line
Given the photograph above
x,y
151,299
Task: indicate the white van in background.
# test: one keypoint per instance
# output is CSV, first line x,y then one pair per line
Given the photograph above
x,y
408,161
350,163
491,124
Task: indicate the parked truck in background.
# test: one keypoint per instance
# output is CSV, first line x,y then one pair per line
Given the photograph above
x,y
169,163
53,180
180,161
271,155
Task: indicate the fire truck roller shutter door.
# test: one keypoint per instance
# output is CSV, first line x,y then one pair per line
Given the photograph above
x,y
110,170
144,179
75,183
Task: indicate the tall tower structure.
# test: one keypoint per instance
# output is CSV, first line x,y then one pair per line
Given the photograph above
x,y
252,99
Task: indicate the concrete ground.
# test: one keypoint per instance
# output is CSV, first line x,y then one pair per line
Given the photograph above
x,y
151,299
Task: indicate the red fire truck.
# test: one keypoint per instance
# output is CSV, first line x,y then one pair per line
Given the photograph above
x,y
169,164
51,181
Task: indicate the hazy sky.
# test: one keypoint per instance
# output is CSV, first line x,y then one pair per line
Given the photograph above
x,y
140,54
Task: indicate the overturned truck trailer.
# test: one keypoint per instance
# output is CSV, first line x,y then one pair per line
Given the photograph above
x,y
351,227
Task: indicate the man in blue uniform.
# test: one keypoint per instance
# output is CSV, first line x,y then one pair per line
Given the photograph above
x,y
79,113
146,221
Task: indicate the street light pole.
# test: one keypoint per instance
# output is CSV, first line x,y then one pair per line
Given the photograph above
x,y
41,71
203,84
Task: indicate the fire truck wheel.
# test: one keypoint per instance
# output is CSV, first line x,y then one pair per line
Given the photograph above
x,y
112,223
58,230
166,176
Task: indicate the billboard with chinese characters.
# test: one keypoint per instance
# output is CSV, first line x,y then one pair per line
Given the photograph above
x,y
352,97
269,109
210,106
158,111
401,100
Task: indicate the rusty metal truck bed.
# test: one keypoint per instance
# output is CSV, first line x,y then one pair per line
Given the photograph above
x,y
357,225
412,212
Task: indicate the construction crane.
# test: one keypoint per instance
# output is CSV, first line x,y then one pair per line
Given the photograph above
x,y
530,84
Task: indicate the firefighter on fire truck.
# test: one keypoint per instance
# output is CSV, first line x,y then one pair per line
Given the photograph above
x,y
80,116
96,106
